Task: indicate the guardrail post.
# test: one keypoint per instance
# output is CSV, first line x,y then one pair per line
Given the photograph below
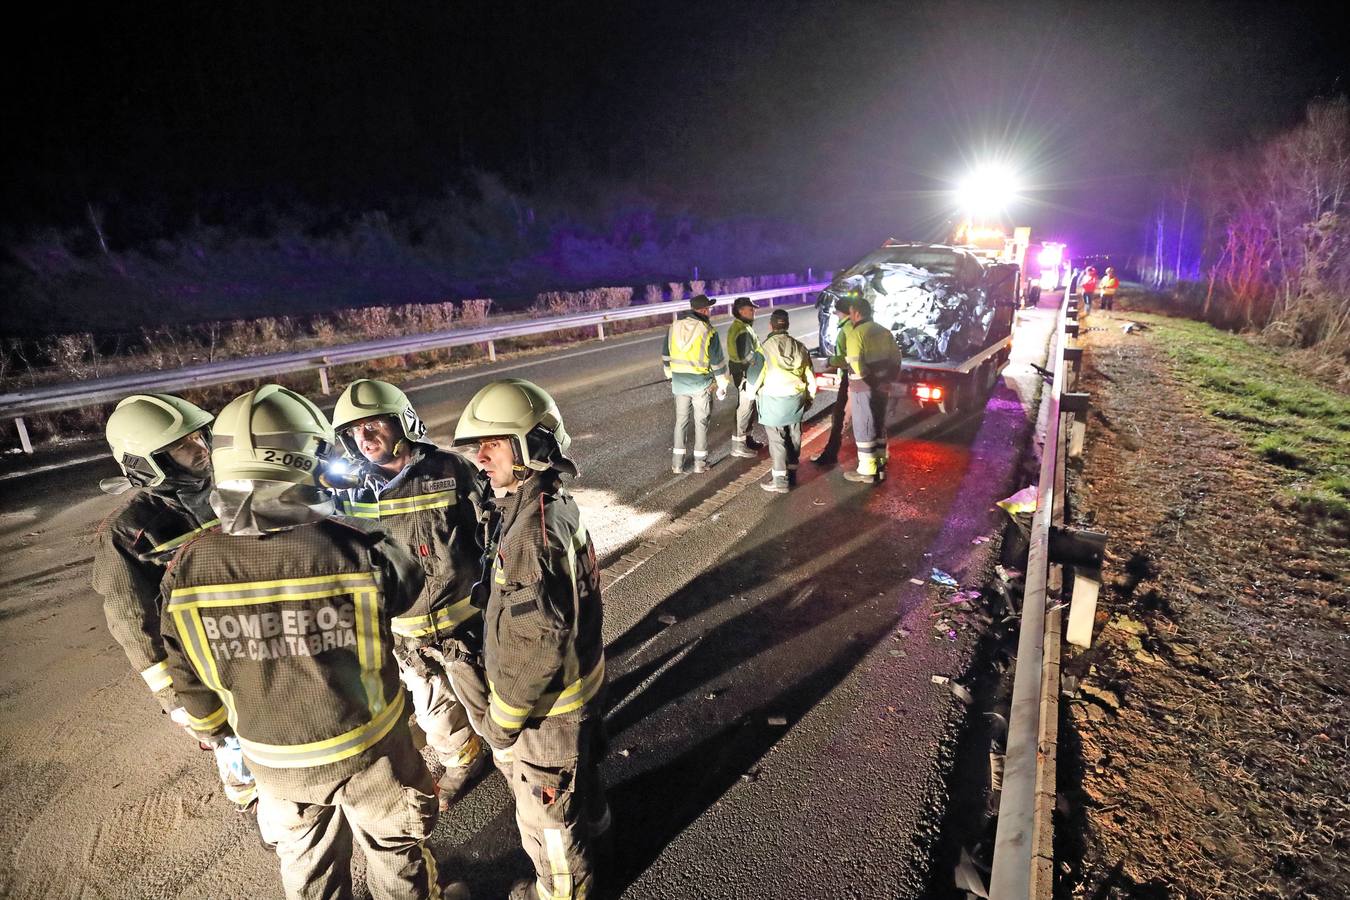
x,y
600,330
1077,438
23,435
323,380
492,351
1087,583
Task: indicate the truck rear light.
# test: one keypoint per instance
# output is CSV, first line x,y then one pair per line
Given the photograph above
x,y
928,392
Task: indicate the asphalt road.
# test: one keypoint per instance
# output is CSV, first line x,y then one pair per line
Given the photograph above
x,y
774,728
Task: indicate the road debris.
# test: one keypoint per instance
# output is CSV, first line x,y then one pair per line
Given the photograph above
x,y
940,577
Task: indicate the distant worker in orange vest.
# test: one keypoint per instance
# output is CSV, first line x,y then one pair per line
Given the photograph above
x,y
1088,288
1108,287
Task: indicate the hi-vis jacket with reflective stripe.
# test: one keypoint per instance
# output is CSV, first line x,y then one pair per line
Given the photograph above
x,y
431,508
1109,285
543,655
134,545
742,342
283,640
782,380
692,355
872,355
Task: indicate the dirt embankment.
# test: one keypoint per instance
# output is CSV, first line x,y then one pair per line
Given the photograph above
x,y
1205,753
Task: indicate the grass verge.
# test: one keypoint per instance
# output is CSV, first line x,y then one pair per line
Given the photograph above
x,y
1283,417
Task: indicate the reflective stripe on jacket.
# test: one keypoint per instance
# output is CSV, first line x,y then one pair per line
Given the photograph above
x,y
784,380
283,640
431,509
692,356
1109,285
871,352
742,342
134,544
543,655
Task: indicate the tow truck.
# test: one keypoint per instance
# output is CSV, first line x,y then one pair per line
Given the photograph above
x,y
969,300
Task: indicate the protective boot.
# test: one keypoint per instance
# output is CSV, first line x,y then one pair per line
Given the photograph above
x,y
753,444
456,780
677,464
861,477
775,486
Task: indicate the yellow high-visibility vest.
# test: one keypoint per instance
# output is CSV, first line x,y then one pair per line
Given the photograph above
x,y
691,346
739,327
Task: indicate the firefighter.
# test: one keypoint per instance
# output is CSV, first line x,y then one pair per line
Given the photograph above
x,y
784,385
742,351
830,455
277,631
161,444
1108,287
694,365
873,359
428,500
1088,288
538,695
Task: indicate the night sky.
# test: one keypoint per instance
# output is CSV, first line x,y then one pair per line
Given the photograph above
x,y
854,117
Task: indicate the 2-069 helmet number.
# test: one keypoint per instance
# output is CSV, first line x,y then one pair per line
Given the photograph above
x,y
295,460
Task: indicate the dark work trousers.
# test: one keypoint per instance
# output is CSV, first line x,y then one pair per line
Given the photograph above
x,y
837,413
1108,301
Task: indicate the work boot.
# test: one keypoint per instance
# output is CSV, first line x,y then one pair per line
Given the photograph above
x,y
828,458
753,444
740,447
861,478
455,781
776,486
700,466
677,465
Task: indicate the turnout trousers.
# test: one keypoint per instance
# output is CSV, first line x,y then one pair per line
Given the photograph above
x,y
785,448
439,713
697,407
388,807
869,425
561,813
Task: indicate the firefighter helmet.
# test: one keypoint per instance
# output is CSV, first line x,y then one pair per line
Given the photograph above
x,y
366,399
270,434
525,414
143,425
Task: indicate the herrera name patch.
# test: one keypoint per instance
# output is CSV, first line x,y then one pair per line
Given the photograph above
x,y
443,484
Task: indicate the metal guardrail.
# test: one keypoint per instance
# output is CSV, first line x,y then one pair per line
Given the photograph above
x,y
1023,867
73,395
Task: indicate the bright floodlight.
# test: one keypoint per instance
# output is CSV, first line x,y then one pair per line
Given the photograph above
x,y
987,191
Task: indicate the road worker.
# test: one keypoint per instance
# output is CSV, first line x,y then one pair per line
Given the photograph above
x,y
428,500
873,360
1108,287
539,692
742,351
830,455
784,386
1088,288
161,444
277,631
695,366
